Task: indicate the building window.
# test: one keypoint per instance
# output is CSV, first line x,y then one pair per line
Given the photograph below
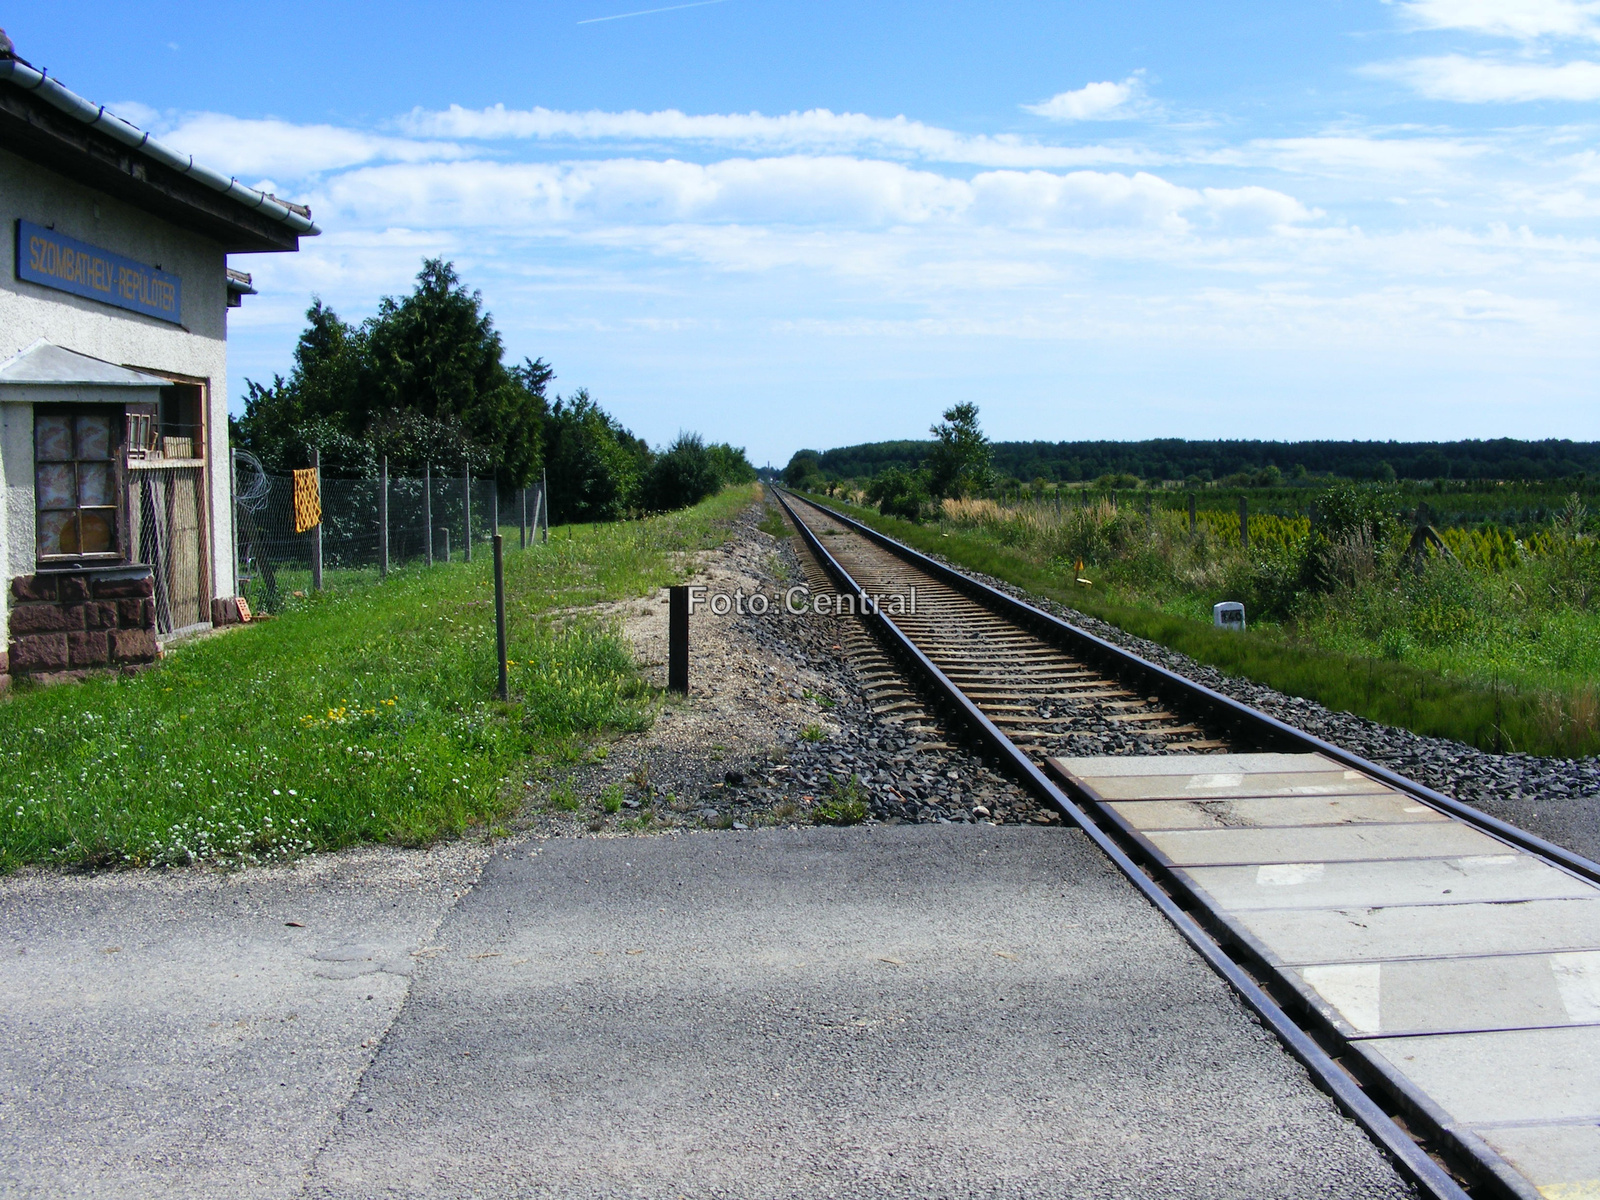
x,y
75,481
180,417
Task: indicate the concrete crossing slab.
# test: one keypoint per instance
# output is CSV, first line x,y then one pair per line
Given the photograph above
x,y
1275,812
1346,843
1220,784
1486,877
1562,1161
1464,969
1113,766
1505,1077
1304,936
1454,995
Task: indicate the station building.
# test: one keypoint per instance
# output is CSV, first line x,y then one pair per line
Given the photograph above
x,y
117,523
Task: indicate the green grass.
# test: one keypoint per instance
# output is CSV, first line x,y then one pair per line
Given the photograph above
x,y
773,524
1493,714
844,804
360,714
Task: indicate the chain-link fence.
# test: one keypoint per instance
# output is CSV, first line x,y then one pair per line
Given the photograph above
x,y
367,526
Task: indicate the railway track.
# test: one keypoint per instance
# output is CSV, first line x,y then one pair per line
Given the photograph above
x,y
1310,879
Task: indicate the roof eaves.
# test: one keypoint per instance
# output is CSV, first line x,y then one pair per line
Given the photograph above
x,y
297,217
45,364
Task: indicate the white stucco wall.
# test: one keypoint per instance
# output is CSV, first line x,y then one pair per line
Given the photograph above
x,y
196,350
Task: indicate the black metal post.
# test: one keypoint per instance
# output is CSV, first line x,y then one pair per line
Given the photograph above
x,y
427,507
383,517
466,508
678,639
500,614
316,530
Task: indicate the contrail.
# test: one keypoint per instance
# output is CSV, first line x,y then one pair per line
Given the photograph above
x,y
645,12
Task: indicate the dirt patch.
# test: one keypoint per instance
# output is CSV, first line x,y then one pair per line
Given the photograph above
x,y
776,729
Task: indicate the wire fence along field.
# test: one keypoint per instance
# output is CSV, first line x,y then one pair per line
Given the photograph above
x,y
432,518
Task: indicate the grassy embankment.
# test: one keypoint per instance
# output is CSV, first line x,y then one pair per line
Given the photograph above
x,y
361,714
1503,657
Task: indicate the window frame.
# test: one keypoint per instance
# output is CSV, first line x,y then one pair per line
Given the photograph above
x,y
116,414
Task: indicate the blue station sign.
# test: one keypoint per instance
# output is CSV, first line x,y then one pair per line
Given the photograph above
x,y
54,260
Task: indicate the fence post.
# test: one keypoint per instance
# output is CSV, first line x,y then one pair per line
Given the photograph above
x,y
383,517
1191,515
1244,524
466,508
678,639
494,506
544,502
500,614
316,530
427,506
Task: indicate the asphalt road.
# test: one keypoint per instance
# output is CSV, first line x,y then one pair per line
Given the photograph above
x,y
917,1011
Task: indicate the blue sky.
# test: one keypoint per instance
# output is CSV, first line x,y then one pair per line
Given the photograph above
x,y
791,224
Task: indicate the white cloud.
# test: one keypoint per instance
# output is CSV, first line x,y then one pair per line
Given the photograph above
x,y
136,113
1356,154
250,148
1487,80
823,192
1092,102
816,129
1251,209
1524,20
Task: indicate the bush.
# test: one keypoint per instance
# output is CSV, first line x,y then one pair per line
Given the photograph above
x,y
685,474
898,493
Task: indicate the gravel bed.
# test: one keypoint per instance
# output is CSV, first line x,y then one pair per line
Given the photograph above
x,y
1556,798
776,730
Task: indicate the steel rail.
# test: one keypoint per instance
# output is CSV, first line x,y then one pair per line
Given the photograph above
x,y
1081,643
1412,1161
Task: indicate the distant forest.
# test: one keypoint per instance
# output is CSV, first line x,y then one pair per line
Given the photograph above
x,y
1174,458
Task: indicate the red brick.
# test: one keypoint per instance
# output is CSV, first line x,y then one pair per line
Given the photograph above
x,y
34,587
118,589
73,588
136,614
88,649
41,652
133,645
45,618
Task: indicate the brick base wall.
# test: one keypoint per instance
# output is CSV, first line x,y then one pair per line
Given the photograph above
x,y
73,624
